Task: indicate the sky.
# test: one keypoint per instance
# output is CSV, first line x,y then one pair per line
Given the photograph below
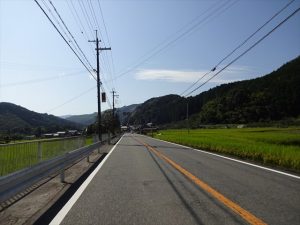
x,y
159,47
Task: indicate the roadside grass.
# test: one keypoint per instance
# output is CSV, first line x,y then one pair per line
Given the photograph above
x,y
18,156
270,146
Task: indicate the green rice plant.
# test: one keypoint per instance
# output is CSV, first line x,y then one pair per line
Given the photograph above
x,y
14,157
270,146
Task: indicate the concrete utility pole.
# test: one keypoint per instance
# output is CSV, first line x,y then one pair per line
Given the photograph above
x,y
187,117
99,84
114,96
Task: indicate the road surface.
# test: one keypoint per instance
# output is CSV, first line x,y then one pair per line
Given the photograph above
x,y
147,181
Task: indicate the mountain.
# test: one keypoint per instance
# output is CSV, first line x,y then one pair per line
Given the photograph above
x,y
65,116
16,119
88,119
275,96
85,119
124,112
160,110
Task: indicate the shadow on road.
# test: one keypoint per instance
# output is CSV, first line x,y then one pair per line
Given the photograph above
x,y
185,203
48,216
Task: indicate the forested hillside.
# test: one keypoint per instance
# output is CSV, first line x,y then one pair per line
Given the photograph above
x,y
275,96
85,119
15,119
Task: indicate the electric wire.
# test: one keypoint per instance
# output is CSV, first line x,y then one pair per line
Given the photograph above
x,y
109,43
238,47
104,57
72,99
89,3
82,29
56,20
246,51
56,11
215,13
64,38
255,32
83,10
102,16
40,79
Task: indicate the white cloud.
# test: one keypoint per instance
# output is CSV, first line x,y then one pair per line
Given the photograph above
x,y
169,75
231,74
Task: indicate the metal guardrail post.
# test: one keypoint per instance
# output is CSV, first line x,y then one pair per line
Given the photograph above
x,y
108,139
79,142
40,153
14,183
62,172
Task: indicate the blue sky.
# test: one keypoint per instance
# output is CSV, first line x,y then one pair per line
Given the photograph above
x,y
39,71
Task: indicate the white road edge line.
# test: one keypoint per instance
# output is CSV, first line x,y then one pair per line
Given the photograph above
x,y
235,160
64,211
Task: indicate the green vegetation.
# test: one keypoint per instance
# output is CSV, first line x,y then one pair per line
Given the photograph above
x,y
85,119
16,122
273,97
18,156
108,124
269,146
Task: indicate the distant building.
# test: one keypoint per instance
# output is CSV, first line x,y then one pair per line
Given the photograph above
x,y
47,135
30,137
73,132
124,128
61,133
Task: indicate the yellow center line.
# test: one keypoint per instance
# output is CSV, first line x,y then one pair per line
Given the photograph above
x,y
249,217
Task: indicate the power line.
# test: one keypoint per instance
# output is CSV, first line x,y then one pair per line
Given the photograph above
x,y
165,45
70,34
104,58
89,3
246,51
108,39
56,20
193,84
104,22
238,47
85,14
80,24
247,39
39,80
63,37
72,99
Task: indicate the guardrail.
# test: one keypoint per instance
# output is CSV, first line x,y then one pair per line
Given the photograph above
x,y
17,156
14,183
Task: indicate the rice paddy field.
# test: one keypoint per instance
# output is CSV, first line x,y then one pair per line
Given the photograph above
x,y
14,157
278,147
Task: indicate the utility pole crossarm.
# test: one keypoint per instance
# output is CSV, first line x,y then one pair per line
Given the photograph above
x,y
101,49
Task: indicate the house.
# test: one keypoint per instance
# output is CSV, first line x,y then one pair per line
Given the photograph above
x,y
47,135
124,128
61,133
73,132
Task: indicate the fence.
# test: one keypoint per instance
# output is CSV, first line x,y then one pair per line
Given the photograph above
x,y
14,183
14,157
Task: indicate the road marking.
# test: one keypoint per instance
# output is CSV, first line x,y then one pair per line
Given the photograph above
x,y
249,217
224,157
64,211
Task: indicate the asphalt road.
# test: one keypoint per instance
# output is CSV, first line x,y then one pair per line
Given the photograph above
x,y
169,184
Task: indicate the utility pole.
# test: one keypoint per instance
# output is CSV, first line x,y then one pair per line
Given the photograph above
x,y
187,117
98,84
114,96
113,112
